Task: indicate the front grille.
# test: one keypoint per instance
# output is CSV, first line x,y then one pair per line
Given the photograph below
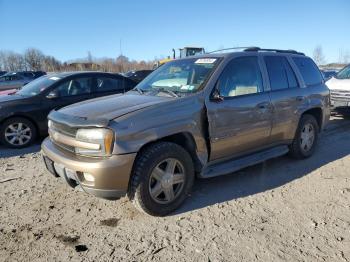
x,y
340,95
65,130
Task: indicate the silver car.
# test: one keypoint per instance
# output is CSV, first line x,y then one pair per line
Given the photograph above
x,y
15,80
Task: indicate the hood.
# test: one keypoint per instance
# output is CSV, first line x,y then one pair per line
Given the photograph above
x,y
8,98
111,107
338,84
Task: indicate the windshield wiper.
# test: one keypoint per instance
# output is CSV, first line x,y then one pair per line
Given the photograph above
x,y
172,93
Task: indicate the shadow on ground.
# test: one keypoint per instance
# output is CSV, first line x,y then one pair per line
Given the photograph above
x,y
10,152
334,144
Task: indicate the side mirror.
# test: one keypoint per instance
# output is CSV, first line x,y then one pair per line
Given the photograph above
x,y
216,97
52,95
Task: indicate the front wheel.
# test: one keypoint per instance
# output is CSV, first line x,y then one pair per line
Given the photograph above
x,y
17,132
162,177
306,137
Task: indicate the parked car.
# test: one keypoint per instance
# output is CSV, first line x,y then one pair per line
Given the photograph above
x,y
139,75
8,92
2,73
201,116
327,74
14,80
340,91
23,114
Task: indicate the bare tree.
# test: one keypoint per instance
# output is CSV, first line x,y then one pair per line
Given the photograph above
x,y
89,57
51,64
318,55
34,59
11,61
344,56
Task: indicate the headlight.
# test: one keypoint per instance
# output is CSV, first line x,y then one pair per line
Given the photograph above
x,y
100,139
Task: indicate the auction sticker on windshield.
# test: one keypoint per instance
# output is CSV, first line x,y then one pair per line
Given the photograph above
x,y
205,61
55,78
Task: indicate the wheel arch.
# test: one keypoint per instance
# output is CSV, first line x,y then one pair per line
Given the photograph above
x,y
317,113
183,139
25,117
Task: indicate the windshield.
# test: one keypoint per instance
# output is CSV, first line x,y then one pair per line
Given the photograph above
x,y
37,86
179,76
344,73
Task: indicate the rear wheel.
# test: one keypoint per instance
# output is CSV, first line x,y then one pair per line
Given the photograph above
x,y
17,132
162,178
306,137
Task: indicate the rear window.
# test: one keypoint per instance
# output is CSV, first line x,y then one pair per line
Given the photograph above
x,y
280,73
308,70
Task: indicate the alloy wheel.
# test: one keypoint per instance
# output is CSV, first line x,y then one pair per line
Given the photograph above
x,y
166,181
18,134
307,137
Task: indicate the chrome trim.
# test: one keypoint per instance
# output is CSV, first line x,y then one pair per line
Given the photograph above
x,y
70,141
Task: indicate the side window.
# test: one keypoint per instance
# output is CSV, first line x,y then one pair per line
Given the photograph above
x,y
105,84
309,71
78,86
292,80
241,76
280,73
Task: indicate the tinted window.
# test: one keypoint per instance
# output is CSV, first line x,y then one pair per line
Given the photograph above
x,y
308,70
78,86
241,76
109,84
280,73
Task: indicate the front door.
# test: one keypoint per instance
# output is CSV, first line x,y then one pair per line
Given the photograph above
x,y
241,121
71,91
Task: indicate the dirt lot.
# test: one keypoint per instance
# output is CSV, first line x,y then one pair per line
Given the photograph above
x,y
280,210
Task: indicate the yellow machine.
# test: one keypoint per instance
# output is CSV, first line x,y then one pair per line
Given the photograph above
x,y
184,52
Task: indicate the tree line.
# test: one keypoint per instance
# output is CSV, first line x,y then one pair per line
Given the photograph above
x,y
33,59
319,57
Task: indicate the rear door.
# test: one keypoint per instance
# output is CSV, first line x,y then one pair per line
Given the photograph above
x,y
241,121
106,85
285,96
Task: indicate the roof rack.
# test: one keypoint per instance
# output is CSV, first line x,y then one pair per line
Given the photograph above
x,y
257,49
231,48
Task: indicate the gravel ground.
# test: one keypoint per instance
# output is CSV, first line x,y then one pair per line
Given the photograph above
x,y
282,209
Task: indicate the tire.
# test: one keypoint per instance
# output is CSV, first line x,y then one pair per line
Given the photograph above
x,y
301,149
17,132
151,185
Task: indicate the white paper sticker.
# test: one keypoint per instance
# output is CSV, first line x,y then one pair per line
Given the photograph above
x,y
187,87
205,60
55,78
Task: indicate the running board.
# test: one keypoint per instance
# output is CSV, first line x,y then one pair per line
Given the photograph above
x,y
231,166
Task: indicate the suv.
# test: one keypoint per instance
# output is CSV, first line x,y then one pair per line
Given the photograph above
x,y
201,116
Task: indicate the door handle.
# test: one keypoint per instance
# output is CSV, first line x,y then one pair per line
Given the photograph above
x,y
301,98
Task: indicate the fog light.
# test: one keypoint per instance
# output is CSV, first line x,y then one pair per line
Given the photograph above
x,y
88,177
